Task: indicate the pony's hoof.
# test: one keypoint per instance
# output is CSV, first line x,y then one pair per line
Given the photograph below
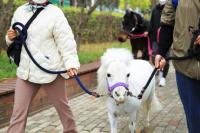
x,y
138,131
145,130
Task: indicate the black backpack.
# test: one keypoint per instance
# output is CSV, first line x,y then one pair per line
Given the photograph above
x,y
14,49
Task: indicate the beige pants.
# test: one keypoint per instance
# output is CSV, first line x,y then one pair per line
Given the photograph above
x,y
24,93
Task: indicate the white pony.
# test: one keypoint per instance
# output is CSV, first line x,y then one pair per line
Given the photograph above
x,y
118,75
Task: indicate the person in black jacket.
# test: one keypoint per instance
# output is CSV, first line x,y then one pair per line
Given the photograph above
x,y
153,33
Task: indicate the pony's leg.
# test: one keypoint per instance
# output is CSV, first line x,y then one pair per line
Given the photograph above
x,y
152,104
145,55
133,49
147,106
113,122
133,121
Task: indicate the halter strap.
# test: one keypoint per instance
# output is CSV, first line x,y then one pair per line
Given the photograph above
x,y
135,36
118,84
136,21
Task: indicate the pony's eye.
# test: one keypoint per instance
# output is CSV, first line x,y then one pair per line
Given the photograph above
x,y
128,75
116,94
108,75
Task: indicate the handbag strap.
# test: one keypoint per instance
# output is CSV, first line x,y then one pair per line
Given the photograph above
x,y
37,12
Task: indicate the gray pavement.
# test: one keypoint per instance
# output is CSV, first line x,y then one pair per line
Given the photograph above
x,y
91,115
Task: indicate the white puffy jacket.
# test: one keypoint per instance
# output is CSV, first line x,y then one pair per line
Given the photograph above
x,y
51,42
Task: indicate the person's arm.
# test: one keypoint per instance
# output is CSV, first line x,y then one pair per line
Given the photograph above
x,y
166,33
65,41
167,27
11,34
166,39
151,23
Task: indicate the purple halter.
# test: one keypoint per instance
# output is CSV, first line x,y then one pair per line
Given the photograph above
x,y
111,88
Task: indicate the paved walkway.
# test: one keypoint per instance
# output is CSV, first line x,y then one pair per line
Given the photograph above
x,y
91,116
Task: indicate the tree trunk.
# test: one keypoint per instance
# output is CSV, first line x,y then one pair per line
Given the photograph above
x,y
73,2
117,3
126,5
79,27
6,11
84,17
153,2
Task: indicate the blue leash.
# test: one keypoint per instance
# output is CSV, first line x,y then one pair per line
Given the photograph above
x,y
22,39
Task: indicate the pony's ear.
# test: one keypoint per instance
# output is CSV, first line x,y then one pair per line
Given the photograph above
x,y
128,11
132,13
140,19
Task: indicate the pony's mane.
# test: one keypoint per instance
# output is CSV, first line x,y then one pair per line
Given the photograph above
x,y
116,54
112,54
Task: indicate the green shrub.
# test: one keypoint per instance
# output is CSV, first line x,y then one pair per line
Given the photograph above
x,y
101,27
142,4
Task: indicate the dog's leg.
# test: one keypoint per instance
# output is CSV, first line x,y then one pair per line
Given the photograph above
x,y
113,122
132,122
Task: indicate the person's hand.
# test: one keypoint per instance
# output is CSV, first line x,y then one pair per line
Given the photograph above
x,y
146,34
72,72
11,34
197,41
160,62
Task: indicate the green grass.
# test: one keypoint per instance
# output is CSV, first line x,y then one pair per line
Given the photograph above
x,y
88,53
6,69
92,52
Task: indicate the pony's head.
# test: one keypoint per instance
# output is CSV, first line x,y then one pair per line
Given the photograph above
x,y
117,76
113,74
131,21
122,36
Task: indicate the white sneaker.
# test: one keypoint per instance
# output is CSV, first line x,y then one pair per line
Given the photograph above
x,y
160,75
162,82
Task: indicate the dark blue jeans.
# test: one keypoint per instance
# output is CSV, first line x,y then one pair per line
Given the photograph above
x,y
189,91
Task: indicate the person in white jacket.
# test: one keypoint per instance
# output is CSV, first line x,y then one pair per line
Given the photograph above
x,y
51,42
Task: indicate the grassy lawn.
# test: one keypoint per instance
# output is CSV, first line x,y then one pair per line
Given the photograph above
x,y
6,69
87,53
92,52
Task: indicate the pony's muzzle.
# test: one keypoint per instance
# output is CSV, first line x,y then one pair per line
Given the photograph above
x,y
120,102
122,37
